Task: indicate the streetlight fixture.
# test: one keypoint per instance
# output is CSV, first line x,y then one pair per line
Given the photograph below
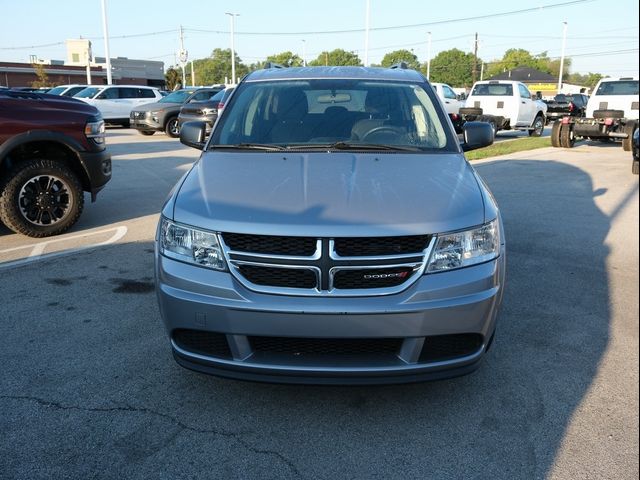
x,y
304,53
429,55
564,44
233,16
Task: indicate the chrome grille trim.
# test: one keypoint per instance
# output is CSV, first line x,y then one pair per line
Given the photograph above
x,y
336,263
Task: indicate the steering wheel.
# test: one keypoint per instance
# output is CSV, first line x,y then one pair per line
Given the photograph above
x,y
383,130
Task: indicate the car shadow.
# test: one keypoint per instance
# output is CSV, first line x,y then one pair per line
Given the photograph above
x,y
505,421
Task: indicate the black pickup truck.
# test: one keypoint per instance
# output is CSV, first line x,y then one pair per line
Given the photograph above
x,y
566,105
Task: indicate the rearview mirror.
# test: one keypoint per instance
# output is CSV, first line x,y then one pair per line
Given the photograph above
x,y
193,134
476,135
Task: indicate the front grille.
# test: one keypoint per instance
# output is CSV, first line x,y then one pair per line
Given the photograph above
x,y
371,278
270,244
204,343
326,346
279,277
445,347
378,246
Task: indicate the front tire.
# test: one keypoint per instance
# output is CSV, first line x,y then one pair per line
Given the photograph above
x,y
172,128
41,198
555,133
567,136
627,143
538,126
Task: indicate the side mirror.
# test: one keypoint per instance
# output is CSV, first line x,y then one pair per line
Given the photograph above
x,y
193,134
476,135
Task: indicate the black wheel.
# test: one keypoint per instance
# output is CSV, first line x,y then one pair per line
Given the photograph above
x,y
555,133
538,126
567,136
146,132
629,128
41,198
635,166
470,111
172,128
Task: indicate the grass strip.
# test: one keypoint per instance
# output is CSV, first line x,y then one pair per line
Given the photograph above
x,y
511,146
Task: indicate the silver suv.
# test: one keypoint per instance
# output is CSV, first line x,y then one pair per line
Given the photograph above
x,y
331,232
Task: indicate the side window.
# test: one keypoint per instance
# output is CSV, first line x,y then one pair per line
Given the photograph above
x,y
448,93
524,91
145,93
201,96
109,94
127,93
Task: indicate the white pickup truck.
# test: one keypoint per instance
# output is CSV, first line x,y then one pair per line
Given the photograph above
x,y
506,105
450,103
612,113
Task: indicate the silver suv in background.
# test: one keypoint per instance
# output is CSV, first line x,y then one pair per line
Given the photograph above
x,y
331,232
204,111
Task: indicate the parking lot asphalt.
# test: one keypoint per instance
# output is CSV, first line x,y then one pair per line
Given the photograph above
x,y
88,387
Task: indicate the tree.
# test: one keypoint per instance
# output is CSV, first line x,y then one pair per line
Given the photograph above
x,y
286,59
337,57
172,78
401,56
43,78
216,68
518,57
453,67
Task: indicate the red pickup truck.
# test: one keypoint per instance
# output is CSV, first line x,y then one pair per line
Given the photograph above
x,y
52,149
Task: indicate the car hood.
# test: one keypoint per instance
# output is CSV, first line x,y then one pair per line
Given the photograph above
x,y
157,106
329,194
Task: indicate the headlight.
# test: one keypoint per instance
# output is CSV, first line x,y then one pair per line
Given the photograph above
x,y
191,245
95,130
461,249
155,112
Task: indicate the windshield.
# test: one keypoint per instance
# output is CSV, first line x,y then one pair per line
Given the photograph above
x,y
179,96
313,113
623,87
57,90
492,90
88,92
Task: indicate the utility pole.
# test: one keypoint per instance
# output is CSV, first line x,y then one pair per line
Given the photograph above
x,y
105,29
366,34
193,75
326,59
428,55
304,53
233,51
184,56
564,44
474,72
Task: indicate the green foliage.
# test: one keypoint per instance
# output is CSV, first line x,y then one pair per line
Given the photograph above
x,y
401,56
518,57
215,68
587,80
453,67
172,78
337,57
43,78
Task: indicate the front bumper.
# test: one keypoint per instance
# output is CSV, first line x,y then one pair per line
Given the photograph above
x,y
461,303
208,119
145,123
97,165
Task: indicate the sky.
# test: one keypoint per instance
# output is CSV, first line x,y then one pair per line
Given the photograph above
x,y
602,35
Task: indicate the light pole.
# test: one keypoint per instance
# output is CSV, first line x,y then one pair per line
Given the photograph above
x,y
233,16
564,44
428,55
105,29
304,53
366,34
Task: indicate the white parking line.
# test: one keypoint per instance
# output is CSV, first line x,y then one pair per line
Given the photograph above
x,y
37,249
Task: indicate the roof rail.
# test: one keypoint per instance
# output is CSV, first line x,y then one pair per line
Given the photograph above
x,y
402,65
272,65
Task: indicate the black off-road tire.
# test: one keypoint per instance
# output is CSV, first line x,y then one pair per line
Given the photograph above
x,y
555,133
172,127
635,167
470,111
146,132
47,181
629,128
608,114
538,126
567,136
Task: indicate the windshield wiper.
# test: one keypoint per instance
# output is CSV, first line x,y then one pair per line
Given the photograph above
x,y
252,146
356,146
